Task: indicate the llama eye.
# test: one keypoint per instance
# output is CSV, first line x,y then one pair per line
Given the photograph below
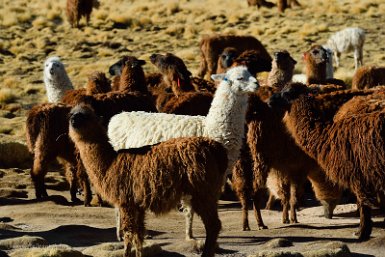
x,y
240,78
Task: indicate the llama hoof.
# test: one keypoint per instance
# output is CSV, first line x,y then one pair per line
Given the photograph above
x,y
285,221
361,236
246,228
262,227
294,222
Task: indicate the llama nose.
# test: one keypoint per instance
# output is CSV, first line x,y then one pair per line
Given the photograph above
x,y
51,71
76,120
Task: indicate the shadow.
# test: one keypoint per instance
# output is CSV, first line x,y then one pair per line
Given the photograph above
x,y
57,199
352,254
164,253
72,235
6,219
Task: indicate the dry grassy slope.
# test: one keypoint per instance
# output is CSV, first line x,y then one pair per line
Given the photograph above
x,y
31,31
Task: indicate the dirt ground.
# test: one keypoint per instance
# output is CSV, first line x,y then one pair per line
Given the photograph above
x,y
27,225
30,31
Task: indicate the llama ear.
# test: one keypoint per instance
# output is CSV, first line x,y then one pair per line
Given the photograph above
x,y
218,77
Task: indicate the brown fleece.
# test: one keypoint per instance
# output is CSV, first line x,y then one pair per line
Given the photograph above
x,y
260,155
368,77
282,69
152,177
77,9
350,150
212,46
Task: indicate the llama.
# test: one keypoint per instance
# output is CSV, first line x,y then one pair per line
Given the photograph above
x,y
78,8
189,96
368,77
347,40
192,167
224,122
46,132
212,46
129,75
316,68
350,150
282,69
291,165
56,79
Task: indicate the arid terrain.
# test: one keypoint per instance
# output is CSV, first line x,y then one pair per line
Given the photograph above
x,y
30,31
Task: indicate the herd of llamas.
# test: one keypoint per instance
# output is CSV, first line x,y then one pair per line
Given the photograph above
x,y
152,141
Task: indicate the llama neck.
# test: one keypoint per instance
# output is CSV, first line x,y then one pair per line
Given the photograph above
x,y
132,80
56,87
226,119
316,73
279,78
97,156
179,86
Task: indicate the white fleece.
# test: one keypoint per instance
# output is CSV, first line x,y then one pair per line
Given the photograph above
x,y
224,122
56,79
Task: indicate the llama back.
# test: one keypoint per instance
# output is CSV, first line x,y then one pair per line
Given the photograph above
x,y
125,130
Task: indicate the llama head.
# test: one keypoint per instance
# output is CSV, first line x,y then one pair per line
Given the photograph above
x,y
53,68
237,79
83,122
316,55
283,60
130,62
227,57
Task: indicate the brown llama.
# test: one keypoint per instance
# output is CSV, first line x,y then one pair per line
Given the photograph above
x,y
316,62
79,8
350,150
192,166
291,164
212,46
368,76
282,68
226,59
188,96
129,75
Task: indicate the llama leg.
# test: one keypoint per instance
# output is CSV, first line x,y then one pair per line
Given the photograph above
x,y
365,228
119,235
294,188
294,3
336,57
70,172
202,67
189,215
82,178
245,213
132,226
257,210
207,209
38,172
284,191
270,202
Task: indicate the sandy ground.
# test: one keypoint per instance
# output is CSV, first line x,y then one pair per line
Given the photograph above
x,y
30,31
91,230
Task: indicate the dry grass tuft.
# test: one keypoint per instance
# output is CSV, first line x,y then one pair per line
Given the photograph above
x,y
50,251
24,241
7,95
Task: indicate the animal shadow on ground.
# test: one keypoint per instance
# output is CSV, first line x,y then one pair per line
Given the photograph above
x,y
57,199
72,235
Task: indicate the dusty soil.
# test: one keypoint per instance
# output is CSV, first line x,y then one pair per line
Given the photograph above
x,y
30,31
